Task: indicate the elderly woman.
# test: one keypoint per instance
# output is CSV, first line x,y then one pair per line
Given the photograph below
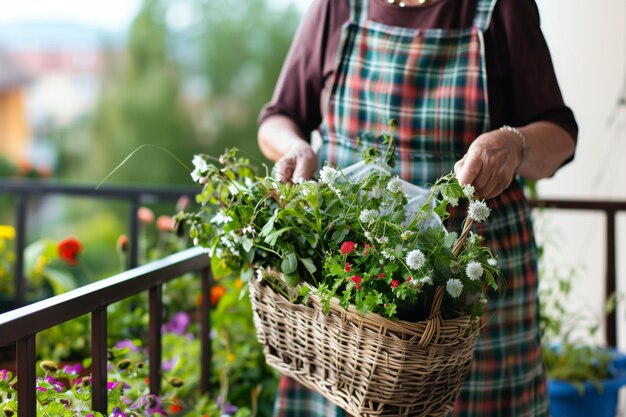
x,y
456,75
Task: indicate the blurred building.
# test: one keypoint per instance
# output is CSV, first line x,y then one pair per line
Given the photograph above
x,y
14,131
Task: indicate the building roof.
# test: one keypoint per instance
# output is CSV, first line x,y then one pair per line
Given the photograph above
x,y
11,74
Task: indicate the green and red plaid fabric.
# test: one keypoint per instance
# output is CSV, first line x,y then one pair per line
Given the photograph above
x,y
433,82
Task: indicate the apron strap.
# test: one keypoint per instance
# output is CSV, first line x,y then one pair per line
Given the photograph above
x,y
358,10
484,10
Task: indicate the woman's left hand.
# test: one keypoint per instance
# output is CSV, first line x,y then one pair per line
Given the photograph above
x,y
490,163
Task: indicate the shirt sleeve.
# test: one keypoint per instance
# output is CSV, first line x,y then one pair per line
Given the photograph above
x,y
298,90
531,85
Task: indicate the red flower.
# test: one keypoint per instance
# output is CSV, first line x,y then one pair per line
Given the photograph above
x,y
347,267
366,249
347,247
145,215
409,279
165,223
381,275
69,249
394,283
357,281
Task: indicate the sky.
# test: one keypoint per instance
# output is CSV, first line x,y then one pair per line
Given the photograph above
x,y
110,15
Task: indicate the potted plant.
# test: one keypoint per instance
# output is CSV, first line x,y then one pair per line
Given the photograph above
x,y
584,377
350,255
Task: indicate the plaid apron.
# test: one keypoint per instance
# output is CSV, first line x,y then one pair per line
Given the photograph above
x,y
434,83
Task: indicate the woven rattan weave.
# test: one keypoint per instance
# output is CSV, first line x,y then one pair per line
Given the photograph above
x,y
369,366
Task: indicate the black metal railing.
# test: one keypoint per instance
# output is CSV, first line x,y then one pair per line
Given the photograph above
x,y
20,326
26,190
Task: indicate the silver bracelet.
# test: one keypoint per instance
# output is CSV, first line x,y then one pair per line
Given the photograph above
x,y
525,147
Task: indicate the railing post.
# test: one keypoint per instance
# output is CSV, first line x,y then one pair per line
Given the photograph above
x,y
205,331
99,359
133,259
20,243
154,347
26,383
610,284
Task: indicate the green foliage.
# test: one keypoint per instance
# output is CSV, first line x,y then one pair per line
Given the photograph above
x,y
350,239
141,104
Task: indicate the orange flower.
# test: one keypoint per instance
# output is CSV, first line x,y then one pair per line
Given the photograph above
x,y
165,223
122,243
69,249
145,215
217,291
175,408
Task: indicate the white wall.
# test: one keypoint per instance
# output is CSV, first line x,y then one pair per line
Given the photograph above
x,y
587,40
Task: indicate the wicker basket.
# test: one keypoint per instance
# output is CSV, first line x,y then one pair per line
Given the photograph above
x,y
371,365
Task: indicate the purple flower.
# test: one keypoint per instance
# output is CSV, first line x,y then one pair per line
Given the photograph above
x,y
178,324
3,375
230,409
72,369
116,412
58,386
114,384
169,365
40,389
126,343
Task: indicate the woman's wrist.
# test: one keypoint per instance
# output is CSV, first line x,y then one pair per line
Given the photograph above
x,y
521,144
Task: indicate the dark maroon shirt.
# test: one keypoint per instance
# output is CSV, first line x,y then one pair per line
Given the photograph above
x,y
522,85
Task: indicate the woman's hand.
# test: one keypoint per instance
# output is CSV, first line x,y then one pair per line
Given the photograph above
x,y
297,164
491,162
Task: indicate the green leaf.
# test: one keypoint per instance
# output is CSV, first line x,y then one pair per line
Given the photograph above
x,y
269,226
309,265
289,264
292,279
449,240
60,281
247,244
340,234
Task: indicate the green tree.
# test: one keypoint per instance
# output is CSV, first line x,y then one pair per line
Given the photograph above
x,y
140,103
243,46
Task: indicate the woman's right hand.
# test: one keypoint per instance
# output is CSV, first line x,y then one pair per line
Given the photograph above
x,y
297,164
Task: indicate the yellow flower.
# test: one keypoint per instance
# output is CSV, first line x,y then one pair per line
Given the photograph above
x,y
7,232
230,358
238,283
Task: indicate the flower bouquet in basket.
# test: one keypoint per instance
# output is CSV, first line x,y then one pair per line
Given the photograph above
x,y
358,290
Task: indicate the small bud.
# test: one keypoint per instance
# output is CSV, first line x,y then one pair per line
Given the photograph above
x,y
48,366
393,123
175,382
183,203
124,364
145,215
122,243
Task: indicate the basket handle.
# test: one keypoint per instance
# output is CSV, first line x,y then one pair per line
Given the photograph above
x,y
434,321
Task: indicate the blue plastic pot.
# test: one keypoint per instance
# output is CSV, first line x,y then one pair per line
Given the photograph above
x,y
567,401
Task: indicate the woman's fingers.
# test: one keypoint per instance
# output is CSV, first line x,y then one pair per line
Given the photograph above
x,y
489,164
298,164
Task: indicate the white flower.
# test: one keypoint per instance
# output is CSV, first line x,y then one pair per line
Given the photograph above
x,y
483,299
200,165
493,262
415,259
478,211
469,190
368,216
454,287
369,236
473,238
406,235
454,201
394,185
259,275
328,175
221,218
382,240
388,255
474,270
249,230
196,241
427,280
